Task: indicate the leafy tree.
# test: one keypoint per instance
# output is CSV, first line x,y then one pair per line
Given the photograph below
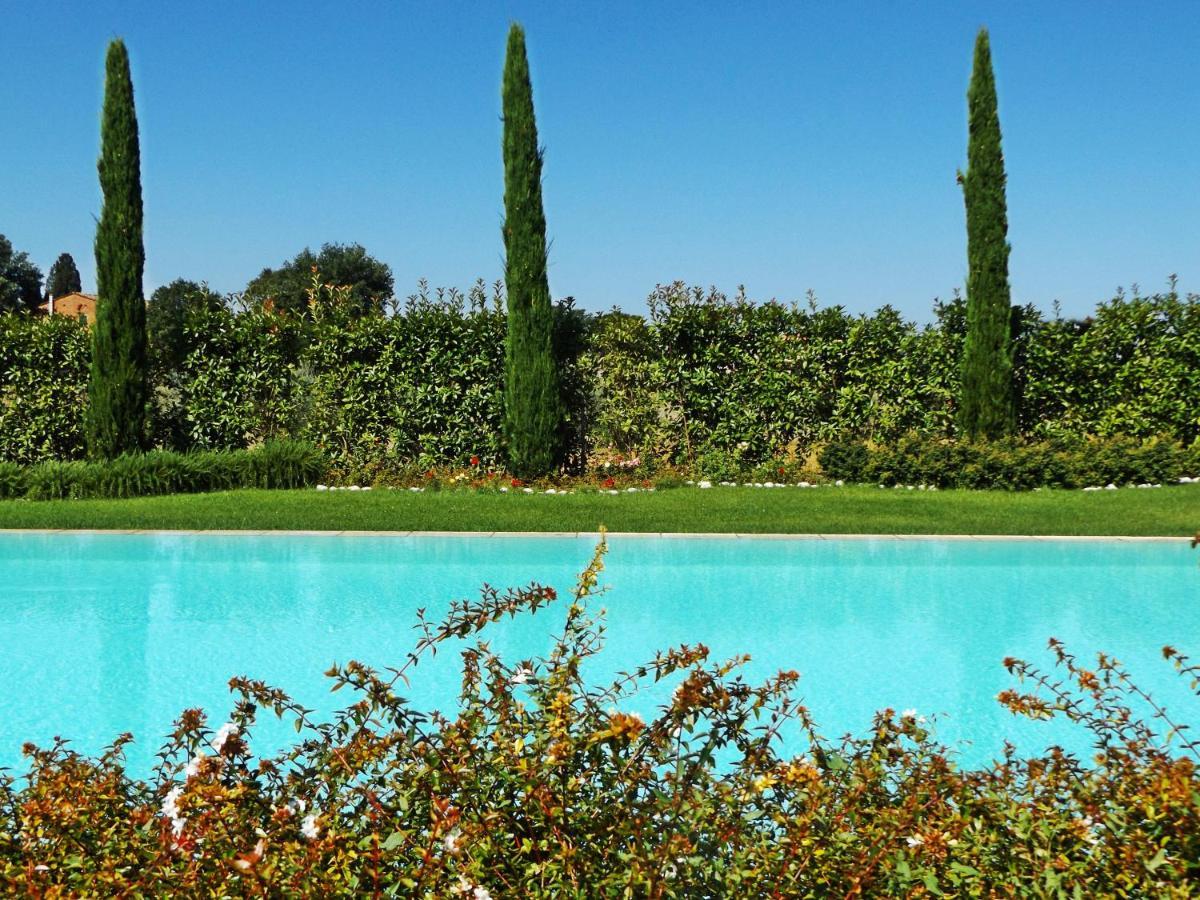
x,y
64,277
343,265
533,412
166,314
986,404
20,280
117,390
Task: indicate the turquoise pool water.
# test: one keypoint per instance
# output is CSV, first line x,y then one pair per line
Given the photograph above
x,y
104,633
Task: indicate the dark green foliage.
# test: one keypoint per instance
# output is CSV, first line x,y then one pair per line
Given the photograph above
x,y
117,390
533,414
341,265
845,460
166,314
1012,463
13,481
986,408
20,280
43,387
282,464
64,277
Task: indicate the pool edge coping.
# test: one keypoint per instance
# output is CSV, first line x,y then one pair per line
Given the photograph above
x,y
670,535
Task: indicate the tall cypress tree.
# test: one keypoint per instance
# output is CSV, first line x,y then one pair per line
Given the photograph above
x,y
117,391
64,277
986,403
533,408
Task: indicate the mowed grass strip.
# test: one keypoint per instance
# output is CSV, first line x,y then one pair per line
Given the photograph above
x,y
1169,511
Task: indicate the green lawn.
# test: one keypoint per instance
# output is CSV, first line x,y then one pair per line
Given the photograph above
x,y
1173,511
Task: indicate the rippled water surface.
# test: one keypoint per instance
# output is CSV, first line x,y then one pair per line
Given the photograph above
x,y
105,633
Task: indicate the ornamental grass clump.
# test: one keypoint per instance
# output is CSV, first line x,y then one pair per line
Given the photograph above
x,y
275,464
13,481
540,783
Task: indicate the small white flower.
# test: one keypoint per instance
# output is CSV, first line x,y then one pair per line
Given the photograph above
x,y
224,733
309,827
453,842
298,805
170,804
170,810
914,840
193,766
522,675
909,714
482,893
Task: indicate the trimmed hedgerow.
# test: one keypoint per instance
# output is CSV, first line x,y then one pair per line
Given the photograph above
x,y
43,388
703,378
1012,463
275,464
542,783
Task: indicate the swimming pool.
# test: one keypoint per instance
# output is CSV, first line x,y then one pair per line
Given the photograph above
x,y
110,632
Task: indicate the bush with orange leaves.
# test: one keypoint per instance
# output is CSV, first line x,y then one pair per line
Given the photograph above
x,y
542,785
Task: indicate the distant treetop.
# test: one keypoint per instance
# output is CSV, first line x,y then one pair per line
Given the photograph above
x,y
63,278
342,265
20,280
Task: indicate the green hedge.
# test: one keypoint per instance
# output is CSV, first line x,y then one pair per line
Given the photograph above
x,y
703,379
1013,464
276,464
43,387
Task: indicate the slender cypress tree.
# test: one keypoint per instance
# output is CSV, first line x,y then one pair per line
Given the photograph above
x,y
986,405
117,391
64,277
533,408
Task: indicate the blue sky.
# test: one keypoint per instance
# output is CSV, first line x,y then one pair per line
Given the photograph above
x,y
784,146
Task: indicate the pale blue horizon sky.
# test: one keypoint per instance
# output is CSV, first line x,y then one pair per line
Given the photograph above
x,y
786,147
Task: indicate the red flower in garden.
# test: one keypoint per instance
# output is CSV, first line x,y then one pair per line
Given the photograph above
x,y
474,460
517,482
429,474
609,482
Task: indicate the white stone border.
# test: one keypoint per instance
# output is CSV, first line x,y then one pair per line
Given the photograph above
x,y
671,535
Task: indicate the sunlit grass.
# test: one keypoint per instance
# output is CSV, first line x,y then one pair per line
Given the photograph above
x,y
862,510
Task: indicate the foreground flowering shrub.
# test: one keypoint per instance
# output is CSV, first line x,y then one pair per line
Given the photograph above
x,y
540,784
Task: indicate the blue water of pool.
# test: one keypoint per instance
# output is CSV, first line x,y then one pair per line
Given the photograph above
x,y
105,633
